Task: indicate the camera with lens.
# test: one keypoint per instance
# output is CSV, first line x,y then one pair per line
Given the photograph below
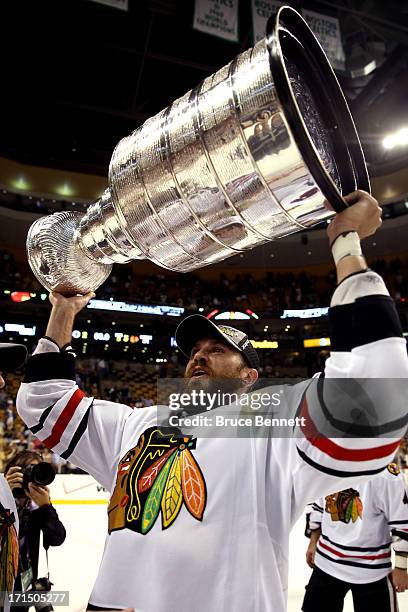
x,y
42,585
41,474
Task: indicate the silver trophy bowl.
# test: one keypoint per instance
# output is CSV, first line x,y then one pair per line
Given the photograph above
x,y
248,156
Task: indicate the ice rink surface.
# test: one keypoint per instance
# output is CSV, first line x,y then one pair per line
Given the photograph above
x,y
74,565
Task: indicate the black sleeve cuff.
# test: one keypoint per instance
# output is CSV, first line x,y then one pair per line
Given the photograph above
x,y
366,320
47,366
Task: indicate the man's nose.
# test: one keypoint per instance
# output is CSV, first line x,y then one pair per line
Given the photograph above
x,y
200,355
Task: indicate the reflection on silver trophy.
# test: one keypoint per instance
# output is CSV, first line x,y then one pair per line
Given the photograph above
x,y
248,156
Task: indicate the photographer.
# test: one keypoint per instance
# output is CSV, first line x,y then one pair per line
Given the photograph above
x,y
35,514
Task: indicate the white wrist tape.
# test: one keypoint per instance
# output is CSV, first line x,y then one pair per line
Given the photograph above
x,y
46,345
346,244
401,562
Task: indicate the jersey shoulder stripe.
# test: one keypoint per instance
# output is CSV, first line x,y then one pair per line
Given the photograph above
x,y
36,428
78,434
64,419
354,388
327,446
336,472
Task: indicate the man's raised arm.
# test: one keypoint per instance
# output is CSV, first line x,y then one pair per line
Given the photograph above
x,y
357,412
62,317
85,430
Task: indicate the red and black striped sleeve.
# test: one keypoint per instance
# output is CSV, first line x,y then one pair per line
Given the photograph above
x,y
356,413
85,430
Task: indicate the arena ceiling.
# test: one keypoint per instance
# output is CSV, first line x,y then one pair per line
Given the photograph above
x,y
78,76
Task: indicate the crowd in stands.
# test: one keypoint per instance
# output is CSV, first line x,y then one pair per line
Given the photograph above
x,y
14,275
270,294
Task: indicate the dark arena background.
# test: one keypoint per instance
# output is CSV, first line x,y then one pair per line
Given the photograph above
x,y
78,76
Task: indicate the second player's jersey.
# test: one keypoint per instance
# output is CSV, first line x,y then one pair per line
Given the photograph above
x,y
358,525
8,542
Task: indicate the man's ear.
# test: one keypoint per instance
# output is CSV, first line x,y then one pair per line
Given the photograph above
x,y
251,375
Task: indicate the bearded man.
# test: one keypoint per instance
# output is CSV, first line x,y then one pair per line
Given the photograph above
x,y
227,504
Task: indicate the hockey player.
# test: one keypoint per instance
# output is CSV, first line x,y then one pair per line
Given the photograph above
x,y
350,546
12,356
227,504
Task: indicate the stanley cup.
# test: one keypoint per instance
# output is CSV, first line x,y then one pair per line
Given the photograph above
x,y
248,156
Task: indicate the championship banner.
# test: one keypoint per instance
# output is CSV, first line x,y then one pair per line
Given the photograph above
x,y
119,4
327,31
261,11
217,18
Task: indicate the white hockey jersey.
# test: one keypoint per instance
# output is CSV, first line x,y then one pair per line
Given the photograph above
x,y
357,525
226,505
8,543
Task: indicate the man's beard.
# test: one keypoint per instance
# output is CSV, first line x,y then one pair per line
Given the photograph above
x,y
222,391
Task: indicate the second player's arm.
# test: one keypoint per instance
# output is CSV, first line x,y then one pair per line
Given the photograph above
x,y
393,502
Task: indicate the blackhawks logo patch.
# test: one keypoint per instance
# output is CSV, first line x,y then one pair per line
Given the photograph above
x,y
345,506
8,551
158,475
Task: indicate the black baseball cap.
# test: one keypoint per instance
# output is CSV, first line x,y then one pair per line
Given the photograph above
x,y
12,356
196,327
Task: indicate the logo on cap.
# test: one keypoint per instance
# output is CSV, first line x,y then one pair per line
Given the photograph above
x,y
232,333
